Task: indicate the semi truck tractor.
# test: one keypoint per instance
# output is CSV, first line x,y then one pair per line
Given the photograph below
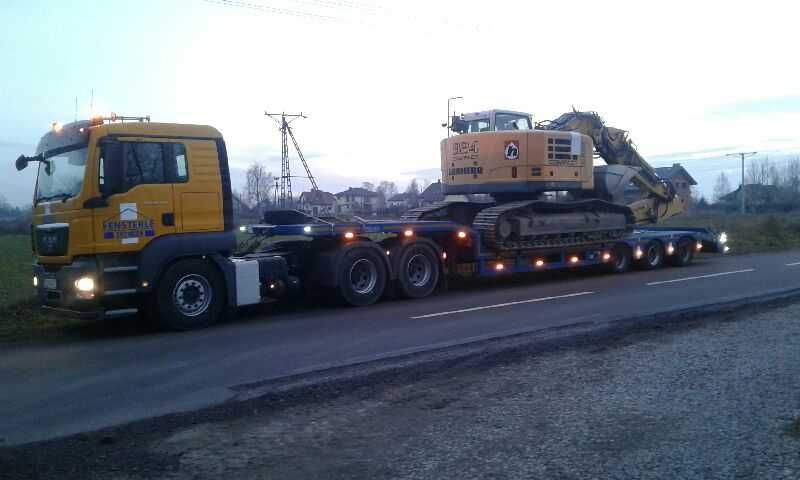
x,y
136,217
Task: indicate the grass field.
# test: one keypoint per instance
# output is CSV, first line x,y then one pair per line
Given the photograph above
x,y
21,319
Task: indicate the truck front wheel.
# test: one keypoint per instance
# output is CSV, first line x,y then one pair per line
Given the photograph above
x,y
362,277
190,295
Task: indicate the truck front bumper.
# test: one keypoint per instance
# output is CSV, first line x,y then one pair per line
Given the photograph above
x,y
57,291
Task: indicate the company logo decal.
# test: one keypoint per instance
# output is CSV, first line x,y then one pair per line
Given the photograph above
x,y
511,150
128,227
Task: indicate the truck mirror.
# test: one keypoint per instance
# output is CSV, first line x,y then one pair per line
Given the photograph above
x,y
22,162
112,164
458,125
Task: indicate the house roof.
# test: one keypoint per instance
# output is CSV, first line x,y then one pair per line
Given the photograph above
x,y
357,192
317,197
676,170
433,193
752,192
400,197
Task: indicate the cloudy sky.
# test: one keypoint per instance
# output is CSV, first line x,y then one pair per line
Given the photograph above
x,y
691,81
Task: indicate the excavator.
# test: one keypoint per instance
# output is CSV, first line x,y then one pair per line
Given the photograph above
x,y
539,184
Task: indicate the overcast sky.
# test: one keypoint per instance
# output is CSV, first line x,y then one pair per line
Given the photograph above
x,y
691,81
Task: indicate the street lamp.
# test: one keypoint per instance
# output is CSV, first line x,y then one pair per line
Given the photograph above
x,y
446,124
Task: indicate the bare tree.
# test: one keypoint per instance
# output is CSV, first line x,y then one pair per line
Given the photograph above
x,y
792,175
722,187
758,171
258,186
368,186
387,189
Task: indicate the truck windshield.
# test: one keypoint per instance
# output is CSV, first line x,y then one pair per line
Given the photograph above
x,y
61,173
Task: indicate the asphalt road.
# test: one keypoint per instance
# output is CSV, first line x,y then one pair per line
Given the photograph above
x,y
55,390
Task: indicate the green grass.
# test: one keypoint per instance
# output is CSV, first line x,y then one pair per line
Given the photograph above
x,y
749,233
20,318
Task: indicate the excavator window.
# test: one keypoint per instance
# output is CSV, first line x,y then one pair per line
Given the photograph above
x,y
507,121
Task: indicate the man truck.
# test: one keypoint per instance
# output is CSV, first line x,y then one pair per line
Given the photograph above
x,y
136,217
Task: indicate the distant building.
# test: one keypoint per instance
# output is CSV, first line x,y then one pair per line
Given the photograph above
x,y
676,175
680,179
757,197
358,201
318,203
432,194
400,202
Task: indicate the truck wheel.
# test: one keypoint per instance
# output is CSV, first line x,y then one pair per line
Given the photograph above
x,y
362,277
190,295
620,259
653,256
417,271
683,254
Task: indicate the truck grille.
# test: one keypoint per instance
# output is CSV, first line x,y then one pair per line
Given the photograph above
x,y
51,241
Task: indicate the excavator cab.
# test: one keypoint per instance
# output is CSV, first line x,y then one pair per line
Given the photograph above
x,y
491,121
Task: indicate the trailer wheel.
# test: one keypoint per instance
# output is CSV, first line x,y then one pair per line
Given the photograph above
x,y
417,271
683,254
362,277
190,295
620,259
653,256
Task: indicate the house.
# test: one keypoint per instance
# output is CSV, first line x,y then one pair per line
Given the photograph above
x,y
400,202
676,175
318,203
432,194
357,200
680,179
759,198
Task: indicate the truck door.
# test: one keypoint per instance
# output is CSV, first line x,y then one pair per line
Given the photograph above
x,y
144,208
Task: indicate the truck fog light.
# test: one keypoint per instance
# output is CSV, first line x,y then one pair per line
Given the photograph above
x,y
85,284
35,281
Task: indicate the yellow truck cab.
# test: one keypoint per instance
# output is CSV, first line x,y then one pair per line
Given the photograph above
x,y
135,215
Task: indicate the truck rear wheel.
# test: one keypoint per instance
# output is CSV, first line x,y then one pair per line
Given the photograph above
x,y
653,256
683,254
620,259
417,271
190,295
362,277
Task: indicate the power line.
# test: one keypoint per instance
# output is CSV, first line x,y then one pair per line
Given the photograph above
x,y
286,197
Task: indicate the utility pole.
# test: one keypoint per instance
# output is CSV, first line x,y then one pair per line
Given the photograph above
x,y
286,174
741,189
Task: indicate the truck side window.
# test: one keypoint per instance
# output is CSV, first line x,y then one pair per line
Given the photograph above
x,y
144,163
181,167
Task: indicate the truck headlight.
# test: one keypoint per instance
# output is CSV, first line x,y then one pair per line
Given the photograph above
x,y
85,284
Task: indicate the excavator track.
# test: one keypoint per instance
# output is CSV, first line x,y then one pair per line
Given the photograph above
x,y
550,224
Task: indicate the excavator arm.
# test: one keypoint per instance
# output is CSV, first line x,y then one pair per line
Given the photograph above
x,y
624,166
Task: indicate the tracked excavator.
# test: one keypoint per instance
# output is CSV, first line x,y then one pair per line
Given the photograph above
x,y
539,185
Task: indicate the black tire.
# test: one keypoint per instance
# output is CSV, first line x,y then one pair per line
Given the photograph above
x,y
190,295
683,254
417,271
621,259
362,277
653,256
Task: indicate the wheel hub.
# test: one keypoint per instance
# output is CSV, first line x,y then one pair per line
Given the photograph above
x,y
192,295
